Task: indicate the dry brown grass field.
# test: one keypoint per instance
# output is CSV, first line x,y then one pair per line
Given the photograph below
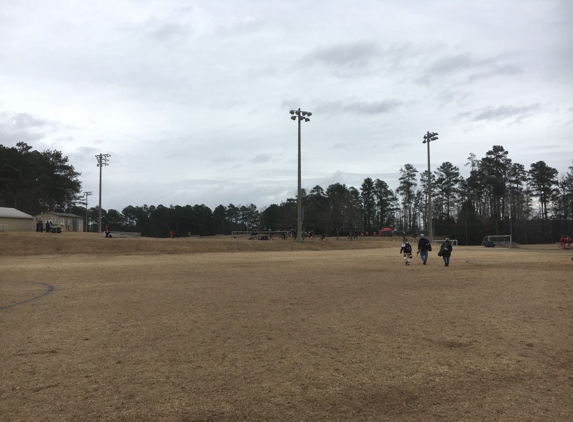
x,y
227,329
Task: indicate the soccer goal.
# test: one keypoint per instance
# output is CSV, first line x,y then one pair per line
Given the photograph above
x,y
454,242
501,240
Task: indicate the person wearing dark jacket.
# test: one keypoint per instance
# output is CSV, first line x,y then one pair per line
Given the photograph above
x,y
446,252
424,247
406,249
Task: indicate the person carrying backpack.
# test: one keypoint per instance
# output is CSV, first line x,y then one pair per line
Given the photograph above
x,y
446,252
406,249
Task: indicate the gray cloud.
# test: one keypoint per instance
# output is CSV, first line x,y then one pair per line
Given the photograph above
x,y
246,27
359,107
261,158
544,147
458,62
22,127
514,113
217,81
168,31
172,27
352,55
468,68
501,70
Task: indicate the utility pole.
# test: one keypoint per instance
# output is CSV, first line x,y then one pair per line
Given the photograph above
x,y
428,137
300,116
87,194
101,161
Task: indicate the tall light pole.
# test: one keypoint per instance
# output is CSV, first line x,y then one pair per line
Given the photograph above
x,y
101,161
429,137
300,116
87,194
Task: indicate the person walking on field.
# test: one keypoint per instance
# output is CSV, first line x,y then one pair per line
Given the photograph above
x,y
446,251
424,247
406,249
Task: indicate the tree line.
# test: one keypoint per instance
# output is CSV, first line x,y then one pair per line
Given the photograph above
x,y
33,181
499,196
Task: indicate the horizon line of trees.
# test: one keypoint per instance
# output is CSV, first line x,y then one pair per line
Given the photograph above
x,y
498,197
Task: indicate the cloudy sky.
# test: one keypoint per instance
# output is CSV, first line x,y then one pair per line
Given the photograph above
x,y
192,98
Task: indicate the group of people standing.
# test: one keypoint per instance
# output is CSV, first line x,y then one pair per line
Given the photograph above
x,y
424,247
40,226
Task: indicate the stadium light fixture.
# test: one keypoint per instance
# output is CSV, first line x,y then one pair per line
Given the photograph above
x,y
430,137
300,116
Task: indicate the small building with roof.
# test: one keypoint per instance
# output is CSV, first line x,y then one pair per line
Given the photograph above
x,y
14,220
64,221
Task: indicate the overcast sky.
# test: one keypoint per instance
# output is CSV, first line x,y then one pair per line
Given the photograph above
x,y
192,98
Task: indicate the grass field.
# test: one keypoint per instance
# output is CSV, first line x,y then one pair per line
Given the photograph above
x,y
227,329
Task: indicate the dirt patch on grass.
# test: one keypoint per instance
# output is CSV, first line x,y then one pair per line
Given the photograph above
x,y
307,335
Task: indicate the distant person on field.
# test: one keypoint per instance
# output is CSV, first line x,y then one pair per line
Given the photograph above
x,y
406,249
446,251
171,234
424,247
106,231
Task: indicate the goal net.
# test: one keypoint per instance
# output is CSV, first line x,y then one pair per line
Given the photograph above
x,y
502,240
